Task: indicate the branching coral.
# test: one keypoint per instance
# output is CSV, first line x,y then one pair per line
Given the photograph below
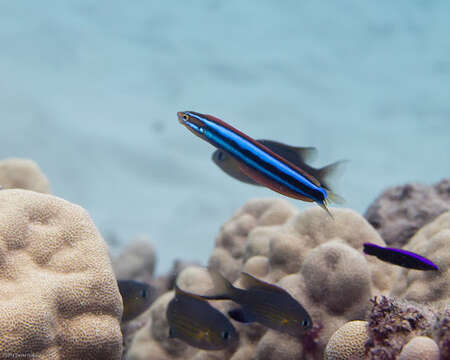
x,y
393,323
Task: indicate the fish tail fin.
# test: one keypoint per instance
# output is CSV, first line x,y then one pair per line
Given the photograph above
x,y
334,198
222,288
323,205
330,171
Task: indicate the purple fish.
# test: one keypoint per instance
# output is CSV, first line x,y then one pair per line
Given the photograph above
x,y
399,257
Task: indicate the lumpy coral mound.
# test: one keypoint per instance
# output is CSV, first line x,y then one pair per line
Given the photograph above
x,y
402,210
58,295
16,173
318,260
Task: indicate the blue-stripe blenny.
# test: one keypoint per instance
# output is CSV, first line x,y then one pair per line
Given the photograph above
x,y
256,160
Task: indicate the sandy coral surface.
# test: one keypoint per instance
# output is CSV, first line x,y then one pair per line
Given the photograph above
x,y
17,173
58,295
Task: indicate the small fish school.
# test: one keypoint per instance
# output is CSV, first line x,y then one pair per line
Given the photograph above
x,y
283,169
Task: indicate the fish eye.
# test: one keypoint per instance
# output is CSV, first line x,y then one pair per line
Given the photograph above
x,y
185,117
225,335
144,293
305,323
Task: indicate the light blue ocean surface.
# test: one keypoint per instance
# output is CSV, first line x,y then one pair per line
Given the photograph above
x,y
90,90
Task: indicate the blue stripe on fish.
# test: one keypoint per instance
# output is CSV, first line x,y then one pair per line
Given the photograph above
x,y
253,156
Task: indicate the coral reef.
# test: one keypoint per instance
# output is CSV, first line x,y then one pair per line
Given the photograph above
x,y
137,261
58,295
433,287
25,174
393,323
402,210
234,236
347,343
316,259
441,332
420,348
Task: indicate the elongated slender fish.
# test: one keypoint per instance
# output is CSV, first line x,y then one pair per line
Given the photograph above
x,y
193,320
261,302
399,257
296,155
136,297
256,160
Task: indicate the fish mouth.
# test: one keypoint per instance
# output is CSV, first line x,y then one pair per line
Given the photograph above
x,y
180,117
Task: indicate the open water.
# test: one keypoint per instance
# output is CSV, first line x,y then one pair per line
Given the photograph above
x,y
90,91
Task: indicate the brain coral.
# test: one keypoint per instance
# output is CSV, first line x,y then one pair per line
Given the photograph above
x,y
402,210
432,241
22,174
317,259
347,343
58,295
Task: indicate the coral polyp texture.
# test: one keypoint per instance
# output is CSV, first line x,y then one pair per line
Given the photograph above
x,y
317,259
433,287
402,210
58,295
348,342
16,173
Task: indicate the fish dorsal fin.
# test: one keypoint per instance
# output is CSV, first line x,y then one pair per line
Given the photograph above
x,y
181,292
250,282
294,154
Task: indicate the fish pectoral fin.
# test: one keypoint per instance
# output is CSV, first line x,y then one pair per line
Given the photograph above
x,y
231,167
238,314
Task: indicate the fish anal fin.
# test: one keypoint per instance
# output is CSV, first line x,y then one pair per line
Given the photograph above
x,y
271,184
238,314
248,281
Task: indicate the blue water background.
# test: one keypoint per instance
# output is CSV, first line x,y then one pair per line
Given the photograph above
x,y
90,90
